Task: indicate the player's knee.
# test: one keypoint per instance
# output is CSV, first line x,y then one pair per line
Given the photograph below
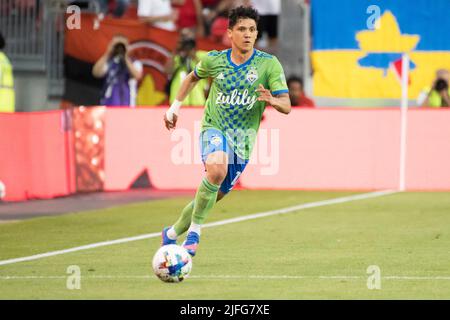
x,y
216,173
217,167
217,158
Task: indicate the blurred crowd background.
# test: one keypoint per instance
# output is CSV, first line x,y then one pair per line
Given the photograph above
x,y
73,58
135,53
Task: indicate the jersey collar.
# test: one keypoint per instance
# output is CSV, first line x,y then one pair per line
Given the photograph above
x,y
243,64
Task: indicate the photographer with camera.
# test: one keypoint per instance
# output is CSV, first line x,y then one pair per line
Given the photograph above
x,y
183,61
121,74
120,7
439,94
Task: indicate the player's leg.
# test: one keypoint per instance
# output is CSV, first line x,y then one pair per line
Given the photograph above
x,y
220,195
235,168
185,219
213,143
216,170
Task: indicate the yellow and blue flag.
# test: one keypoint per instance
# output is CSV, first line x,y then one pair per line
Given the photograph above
x,y
357,46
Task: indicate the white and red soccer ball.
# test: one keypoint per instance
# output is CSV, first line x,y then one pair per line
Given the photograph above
x,y
172,263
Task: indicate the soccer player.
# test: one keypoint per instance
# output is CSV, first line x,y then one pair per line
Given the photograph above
x,y
245,80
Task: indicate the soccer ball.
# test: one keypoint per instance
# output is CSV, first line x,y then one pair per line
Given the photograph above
x,y
172,263
2,190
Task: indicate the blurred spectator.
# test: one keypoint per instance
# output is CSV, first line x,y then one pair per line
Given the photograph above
x,y
120,6
269,10
438,95
116,7
213,9
296,93
103,7
190,16
158,13
182,63
218,31
6,80
120,72
216,19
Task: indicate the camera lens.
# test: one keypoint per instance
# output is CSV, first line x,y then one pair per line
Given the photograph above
x,y
119,49
441,84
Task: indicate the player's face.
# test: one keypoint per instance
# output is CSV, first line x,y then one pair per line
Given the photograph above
x,y
243,35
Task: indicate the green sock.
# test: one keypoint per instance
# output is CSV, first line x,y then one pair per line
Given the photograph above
x,y
183,223
204,200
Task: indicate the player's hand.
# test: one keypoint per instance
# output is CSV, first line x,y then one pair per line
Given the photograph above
x,y
264,94
171,124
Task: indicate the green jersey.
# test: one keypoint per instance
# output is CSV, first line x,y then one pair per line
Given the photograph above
x,y
232,105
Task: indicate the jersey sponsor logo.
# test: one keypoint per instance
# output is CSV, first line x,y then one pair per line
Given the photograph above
x,y
252,75
236,98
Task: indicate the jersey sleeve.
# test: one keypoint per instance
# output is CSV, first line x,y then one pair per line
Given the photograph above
x,y
277,79
203,68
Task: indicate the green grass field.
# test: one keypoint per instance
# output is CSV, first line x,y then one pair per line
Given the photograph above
x,y
315,253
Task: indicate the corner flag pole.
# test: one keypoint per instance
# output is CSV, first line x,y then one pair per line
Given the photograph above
x,y
404,122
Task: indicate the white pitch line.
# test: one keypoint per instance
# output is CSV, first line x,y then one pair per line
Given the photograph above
x,y
287,277
301,207
207,225
85,247
232,277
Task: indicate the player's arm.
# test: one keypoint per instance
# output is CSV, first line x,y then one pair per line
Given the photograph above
x,y
278,95
171,116
280,102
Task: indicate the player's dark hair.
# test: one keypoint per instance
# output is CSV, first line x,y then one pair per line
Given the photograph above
x,y
242,13
2,41
295,79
